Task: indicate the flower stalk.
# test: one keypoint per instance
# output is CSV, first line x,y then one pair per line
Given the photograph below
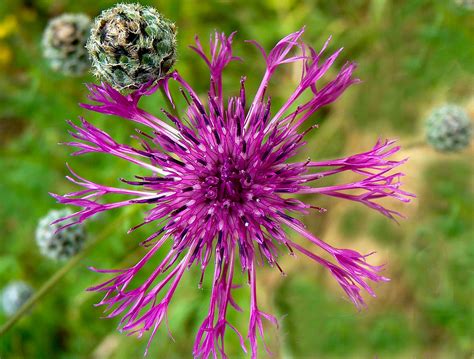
x,y
62,272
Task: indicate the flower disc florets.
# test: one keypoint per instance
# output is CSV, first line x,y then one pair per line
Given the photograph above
x,y
14,295
59,245
64,41
131,45
449,128
222,188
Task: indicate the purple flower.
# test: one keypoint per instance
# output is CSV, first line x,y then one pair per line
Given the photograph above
x,y
222,188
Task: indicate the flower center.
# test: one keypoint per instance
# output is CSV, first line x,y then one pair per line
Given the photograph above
x,y
227,183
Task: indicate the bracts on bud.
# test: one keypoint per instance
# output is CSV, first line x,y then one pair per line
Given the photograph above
x,y
14,295
59,245
131,45
448,128
64,41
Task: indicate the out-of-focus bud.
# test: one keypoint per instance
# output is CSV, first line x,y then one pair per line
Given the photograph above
x,y
14,295
64,41
63,244
448,128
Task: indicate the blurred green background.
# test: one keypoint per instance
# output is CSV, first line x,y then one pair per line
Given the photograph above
x,y
413,56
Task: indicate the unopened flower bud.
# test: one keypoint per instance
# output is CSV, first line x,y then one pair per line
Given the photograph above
x,y
448,128
131,45
466,4
14,295
64,41
63,244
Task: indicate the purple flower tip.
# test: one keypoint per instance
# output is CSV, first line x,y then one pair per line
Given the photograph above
x,y
222,188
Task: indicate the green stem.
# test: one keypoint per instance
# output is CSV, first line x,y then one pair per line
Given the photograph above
x,y
416,144
51,282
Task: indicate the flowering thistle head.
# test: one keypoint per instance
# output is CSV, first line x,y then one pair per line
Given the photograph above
x,y
64,41
223,188
14,295
448,128
131,45
59,245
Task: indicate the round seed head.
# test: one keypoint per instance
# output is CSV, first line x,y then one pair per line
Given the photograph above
x,y
467,4
448,128
63,244
131,45
64,41
14,295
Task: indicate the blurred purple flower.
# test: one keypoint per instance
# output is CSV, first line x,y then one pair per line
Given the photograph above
x,y
221,187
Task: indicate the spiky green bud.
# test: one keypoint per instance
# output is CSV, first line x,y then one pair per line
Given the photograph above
x,y
448,128
467,4
131,45
14,295
64,41
59,245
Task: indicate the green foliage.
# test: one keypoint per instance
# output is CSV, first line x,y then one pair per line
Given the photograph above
x,y
352,222
332,328
442,256
385,231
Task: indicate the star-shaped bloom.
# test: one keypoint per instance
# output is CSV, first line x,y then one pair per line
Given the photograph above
x,y
222,188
